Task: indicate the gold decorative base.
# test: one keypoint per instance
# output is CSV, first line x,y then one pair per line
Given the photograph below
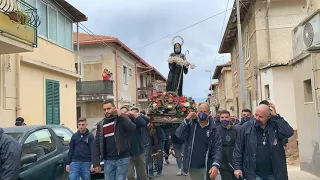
x,y
165,118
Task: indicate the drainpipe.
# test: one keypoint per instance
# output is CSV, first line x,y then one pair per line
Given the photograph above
x,y
18,105
116,69
78,50
136,70
268,31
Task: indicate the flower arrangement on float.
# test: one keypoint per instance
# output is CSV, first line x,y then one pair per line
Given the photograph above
x,y
181,106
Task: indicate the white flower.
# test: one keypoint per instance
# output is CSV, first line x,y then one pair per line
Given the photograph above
x,y
154,105
186,104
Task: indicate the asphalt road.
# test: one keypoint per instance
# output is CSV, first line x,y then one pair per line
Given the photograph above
x,y
169,172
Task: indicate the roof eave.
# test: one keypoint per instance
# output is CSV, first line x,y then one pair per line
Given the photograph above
x,y
77,16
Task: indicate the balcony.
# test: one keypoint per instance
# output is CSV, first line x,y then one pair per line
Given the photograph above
x,y
18,26
98,90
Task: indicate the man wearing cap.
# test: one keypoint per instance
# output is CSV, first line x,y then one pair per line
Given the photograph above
x,y
20,122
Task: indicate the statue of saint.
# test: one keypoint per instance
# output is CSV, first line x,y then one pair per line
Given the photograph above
x,y
178,66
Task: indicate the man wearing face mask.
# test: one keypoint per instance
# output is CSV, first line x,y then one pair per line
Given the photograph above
x,y
228,135
234,120
258,153
202,151
246,115
216,119
112,143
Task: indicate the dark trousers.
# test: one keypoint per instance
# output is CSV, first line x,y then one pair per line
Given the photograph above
x,y
137,163
167,148
227,175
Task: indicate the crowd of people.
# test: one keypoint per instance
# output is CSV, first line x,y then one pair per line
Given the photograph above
x,y
128,146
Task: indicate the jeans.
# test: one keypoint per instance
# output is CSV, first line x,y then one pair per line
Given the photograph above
x,y
178,150
116,169
80,169
270,177
159,159
137,163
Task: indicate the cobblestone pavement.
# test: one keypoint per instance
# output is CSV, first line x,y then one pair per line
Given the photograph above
x,y
170,171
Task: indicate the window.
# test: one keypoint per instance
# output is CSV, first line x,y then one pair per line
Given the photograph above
x,y
65,133
52,102
247,45
267,92
125,75
61,30
40,143
307,90
54,25
43,29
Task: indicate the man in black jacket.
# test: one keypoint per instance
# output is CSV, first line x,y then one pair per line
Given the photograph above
x,y
258,153
228,135
112,143
137,146
10,154
80,152
202,152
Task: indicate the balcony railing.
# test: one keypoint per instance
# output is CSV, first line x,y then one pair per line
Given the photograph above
x,y
95,87
19,20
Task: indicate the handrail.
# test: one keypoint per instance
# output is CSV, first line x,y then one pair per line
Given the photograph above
x,y
7,6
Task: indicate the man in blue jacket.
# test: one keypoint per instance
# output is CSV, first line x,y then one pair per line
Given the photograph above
x,y
202,152
258,153
80,152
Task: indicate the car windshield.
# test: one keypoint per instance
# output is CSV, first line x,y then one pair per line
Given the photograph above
x,y
15,135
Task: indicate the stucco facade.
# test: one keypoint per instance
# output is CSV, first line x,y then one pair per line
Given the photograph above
x,y
40,85
127,69
306,66
266,41
223,74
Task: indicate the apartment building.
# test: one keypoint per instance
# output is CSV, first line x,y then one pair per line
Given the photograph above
x,y
131,78
38,78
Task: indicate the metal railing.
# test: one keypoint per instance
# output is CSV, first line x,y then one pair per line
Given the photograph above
x,y
94,87
7,6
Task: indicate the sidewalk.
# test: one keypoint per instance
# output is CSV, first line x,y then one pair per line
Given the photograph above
x,y
296,174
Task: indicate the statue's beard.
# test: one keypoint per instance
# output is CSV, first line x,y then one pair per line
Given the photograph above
x,y
177,50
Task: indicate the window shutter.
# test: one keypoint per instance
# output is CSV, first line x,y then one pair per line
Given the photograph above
x,y
52,102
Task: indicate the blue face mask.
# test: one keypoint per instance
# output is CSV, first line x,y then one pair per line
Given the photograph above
x,y
258,123
224,123
233,119
245,119
202,116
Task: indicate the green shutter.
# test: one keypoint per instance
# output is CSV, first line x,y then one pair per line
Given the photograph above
x,y
52,102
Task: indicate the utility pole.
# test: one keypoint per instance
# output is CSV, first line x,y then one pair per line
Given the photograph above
x,y
242,83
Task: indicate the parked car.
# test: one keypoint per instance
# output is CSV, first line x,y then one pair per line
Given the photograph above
x,y
44,151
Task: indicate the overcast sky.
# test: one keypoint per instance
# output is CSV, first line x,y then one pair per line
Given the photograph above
x,y
139,22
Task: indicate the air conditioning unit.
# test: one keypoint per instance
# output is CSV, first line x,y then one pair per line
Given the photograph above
x,y
306,36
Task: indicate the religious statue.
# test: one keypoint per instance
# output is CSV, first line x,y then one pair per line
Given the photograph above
x,y
178,66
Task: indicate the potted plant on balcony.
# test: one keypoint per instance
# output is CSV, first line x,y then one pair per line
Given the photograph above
x,y
19,16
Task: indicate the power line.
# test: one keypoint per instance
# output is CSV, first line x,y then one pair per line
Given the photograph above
x,y
225,14
181,30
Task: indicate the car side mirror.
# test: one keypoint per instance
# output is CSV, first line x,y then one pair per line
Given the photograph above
x,y
28,158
